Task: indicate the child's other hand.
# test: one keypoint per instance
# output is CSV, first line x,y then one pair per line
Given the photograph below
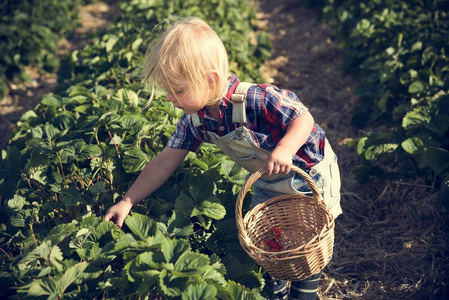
x,y
280,161
118,213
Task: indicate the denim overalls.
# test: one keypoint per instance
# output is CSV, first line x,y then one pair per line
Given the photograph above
x,y
240,145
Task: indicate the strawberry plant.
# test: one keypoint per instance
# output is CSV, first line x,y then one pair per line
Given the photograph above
x,y
399,50
80,149
29,35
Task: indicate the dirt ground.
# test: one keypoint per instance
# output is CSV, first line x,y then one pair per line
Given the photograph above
x,y
389,242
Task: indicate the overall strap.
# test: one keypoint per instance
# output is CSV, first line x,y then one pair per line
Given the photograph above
x,y
238,99
196,120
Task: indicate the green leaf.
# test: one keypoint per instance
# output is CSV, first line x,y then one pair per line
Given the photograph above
x,y
417,117
83,151
71,197
51,131
172,286
236,291
143,271
201,188
111,40
192,263
173,249
135,160
361,144
14,158
214,275
58,233
51,101
179,225
70,276
201,291
18,219
233,172
416,87
224,240
252,280
37,132
122,243
37,166
417,46
131,121
16,203
9,186
142,226
152,260
438,159
80,238
28,116
413,145
56,258
42,287
48,245
136,44
373,152
68,154
97,188
184,203
127,96
44,251
214,210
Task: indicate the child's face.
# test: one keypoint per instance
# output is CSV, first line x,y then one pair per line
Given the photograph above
x,y
182,98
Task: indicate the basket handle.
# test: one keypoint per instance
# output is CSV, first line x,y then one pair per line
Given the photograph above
x,y
256,175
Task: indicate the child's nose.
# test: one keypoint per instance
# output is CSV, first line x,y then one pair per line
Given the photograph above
x,y
170,97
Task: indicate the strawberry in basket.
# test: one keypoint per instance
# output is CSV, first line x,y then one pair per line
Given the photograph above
x,y
275,233
271,244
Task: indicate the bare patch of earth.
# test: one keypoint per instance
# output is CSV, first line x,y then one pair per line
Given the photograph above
x,y
24,97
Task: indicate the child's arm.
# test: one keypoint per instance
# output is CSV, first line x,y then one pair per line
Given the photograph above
x,y
155,173
298,131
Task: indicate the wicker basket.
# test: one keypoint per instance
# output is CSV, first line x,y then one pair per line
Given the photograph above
x,y
307,226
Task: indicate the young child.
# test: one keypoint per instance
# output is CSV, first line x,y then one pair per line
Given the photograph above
x,y
270,127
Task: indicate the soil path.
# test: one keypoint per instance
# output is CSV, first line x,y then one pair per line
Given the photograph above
x,y
382,240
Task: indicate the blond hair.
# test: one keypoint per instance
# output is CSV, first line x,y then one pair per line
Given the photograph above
x,y
189,54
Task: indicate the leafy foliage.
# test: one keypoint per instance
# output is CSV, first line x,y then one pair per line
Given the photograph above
x,y
399,49
79,150
29,35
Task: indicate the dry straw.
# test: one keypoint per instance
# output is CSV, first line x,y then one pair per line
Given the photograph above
x,y
307,227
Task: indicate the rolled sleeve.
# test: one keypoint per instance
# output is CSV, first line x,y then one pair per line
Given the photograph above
x,y
185,136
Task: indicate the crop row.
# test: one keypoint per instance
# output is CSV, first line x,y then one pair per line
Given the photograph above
x,y
29,36
399,50
79,150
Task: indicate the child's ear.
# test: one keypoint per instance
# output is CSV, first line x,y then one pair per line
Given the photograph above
x,y
212,79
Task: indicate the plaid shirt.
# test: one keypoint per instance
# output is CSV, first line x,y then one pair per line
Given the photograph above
x,y
269,111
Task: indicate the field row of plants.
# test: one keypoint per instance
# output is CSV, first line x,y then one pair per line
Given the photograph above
x,y
81,148
29,35
399,50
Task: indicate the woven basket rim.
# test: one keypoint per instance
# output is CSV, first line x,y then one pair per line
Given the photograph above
x,y
243,223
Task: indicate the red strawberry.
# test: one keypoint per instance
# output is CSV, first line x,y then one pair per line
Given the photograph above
x,y
276,231
271,246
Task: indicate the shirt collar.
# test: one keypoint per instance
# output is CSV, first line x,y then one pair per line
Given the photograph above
x,y
232,85
233,82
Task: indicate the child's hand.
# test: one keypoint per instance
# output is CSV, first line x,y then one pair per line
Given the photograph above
x,y
280,161
118,213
